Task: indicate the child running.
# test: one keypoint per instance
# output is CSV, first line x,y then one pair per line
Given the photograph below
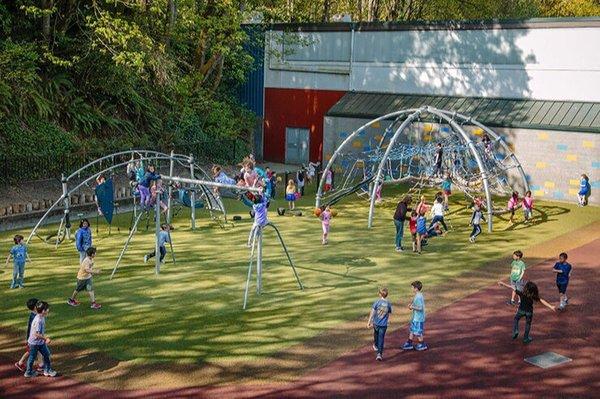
x,y
527,206
417,324
20,365
476,219
529,295
437,211
164,237
38,341
290,194
19,254
84,279
325,217
517,271
378,319
562,270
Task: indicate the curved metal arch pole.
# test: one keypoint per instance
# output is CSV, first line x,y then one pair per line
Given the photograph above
x,y
480,164
343,145
398,132
77,187
499,139
156,154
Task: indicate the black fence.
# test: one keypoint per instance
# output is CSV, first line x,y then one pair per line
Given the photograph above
x,y
48,166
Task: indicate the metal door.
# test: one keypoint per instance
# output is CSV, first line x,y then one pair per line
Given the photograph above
x,y
297,145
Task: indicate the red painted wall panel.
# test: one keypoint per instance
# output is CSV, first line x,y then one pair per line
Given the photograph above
x,y
302,108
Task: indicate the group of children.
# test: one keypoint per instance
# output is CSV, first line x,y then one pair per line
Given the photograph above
x,y
379,319
527,293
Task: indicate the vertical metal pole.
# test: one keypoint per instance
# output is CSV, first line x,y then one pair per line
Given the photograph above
x,y
170,189
65,191
249,271
259,261
192,194
157,226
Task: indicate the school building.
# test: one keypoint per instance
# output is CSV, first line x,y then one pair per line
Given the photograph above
x,y
536,82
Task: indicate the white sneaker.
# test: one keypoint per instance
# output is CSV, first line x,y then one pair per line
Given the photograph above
x,y
50,373
145,258
374,348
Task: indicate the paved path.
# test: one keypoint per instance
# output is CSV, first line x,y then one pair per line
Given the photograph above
x,y
472,354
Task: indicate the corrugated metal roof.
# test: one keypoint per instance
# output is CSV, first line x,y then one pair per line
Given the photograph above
x,y
499,112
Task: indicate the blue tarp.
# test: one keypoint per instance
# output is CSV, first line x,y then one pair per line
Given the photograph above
x,y
105,194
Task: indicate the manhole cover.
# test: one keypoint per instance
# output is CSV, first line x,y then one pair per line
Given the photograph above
x,y
547,360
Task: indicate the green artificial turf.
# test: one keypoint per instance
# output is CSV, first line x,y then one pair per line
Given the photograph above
x,y
192,312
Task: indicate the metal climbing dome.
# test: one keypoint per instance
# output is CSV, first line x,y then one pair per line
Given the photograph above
x,y
477,159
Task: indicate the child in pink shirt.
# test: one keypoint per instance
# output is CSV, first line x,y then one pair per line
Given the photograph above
x,y
527,206
512,205
325,218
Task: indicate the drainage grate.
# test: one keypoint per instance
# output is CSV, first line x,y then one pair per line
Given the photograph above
x,y
547,360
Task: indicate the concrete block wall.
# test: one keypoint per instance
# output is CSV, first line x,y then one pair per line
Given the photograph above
x,y
553,161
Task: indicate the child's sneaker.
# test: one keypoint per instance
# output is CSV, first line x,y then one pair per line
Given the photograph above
x,y
374,348
515,335
95,305
50,373
421,346
19,366
511,302
145,258
30,374
399,249
72,302
379,357
527,340
472,239
408,346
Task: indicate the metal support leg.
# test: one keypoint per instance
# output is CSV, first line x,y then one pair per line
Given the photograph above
x,y
170,189
171,245
249,272
157,234
131,233
259,260
287,254
192,194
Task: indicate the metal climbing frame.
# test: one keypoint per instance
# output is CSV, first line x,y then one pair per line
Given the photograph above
x,y
412,115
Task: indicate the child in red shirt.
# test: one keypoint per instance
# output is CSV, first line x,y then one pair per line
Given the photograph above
x,y
412,224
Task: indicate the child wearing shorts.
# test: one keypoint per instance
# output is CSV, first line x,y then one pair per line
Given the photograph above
x,y
562,270
417,324
517,270
84,279
378,319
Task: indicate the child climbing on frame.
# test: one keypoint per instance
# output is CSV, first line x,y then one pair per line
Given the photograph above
x,y
584,190
156,191
260,208
325,217
250,175
19,255
164,237
290,194
527,206
528,296
513,204
144,186
476,219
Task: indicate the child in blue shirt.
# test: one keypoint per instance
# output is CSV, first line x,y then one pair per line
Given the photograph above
x,y
562,270
164,237
378,319
417,324
20,365
83,238
19,254
260,209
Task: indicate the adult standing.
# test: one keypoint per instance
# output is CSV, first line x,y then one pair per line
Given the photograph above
x,y
399,217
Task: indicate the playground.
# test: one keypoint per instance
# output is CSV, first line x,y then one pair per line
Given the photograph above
x,y
186,327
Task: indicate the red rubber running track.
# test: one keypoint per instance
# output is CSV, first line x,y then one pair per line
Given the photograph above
x,y
471,354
